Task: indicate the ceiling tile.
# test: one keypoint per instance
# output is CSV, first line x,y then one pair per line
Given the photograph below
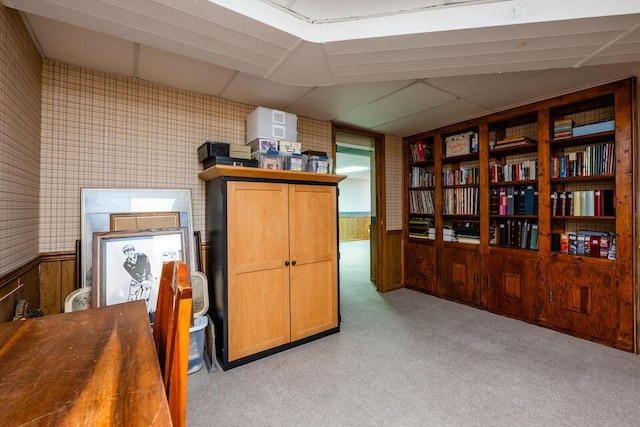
x,y
181,72
405,102
75,45
307,65
329,102
262,92
548,84
463,86
452,112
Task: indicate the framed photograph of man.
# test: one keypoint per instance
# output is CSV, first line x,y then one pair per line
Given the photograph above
x,y
127,264
103,208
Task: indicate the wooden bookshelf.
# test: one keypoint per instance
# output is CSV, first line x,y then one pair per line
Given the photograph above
x,y
590,294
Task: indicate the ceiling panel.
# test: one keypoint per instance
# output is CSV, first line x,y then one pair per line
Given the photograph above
x,y
442,115
549,83
307,65
261,92
463,86
89,48
181,72
329,102
404,102
521,46
489,34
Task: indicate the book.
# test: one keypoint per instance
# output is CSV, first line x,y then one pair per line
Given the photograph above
x,y
580,244
604,246
554,203
594,248
573,241
564,243
528,200
533,242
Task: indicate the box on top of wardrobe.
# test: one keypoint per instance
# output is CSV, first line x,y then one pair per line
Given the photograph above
x,y
273,124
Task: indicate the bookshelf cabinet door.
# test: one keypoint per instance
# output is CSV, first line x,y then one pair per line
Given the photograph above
x,y
583,298
512,285
420,267
460,269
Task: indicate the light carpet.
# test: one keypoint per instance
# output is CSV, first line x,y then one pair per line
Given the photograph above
x,y
409,359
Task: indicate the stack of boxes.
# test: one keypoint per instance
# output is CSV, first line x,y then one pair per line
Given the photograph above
x,y
271,144
272,136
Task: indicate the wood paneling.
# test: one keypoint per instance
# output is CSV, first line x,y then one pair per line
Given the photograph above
x,y
460,270
420,266
354,228
393,272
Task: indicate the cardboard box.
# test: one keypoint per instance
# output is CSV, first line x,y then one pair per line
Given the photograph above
x,y
240,151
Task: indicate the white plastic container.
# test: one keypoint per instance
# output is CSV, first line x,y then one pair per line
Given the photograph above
x,y
268,123
196,344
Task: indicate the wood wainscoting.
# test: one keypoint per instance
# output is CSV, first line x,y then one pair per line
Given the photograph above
x,y
354,227
393,272
21,283
45,282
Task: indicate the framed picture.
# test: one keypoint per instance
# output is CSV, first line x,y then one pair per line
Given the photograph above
x,y
127,264
98,205
144,220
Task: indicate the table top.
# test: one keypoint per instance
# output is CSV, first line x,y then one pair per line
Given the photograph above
x,y
92,367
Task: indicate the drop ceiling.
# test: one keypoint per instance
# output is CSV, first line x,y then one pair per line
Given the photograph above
x,y
395,67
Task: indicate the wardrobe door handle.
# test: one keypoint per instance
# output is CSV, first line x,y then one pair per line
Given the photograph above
x,y
286,263
293,263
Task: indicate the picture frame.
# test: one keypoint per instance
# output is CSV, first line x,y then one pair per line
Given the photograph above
x,y
127,265
98,204
143,220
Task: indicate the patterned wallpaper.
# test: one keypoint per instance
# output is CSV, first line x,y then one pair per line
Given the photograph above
x,y
110,131
20,68
393,164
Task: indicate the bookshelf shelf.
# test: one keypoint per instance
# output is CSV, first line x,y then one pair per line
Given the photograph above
x,y
512,183
589,178
501,152
533,188
583,140
594,217
460,159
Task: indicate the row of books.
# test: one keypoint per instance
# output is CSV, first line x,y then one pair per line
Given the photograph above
x,y
422,202
597,159
460,201
562,128
419,227
522,171
419,177
513,200
421,151
461,176
519,233
595,244
583,203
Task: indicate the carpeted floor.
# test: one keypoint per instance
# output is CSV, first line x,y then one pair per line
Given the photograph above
x,y
409,359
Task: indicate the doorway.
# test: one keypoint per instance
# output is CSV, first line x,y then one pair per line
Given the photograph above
x,y
357,155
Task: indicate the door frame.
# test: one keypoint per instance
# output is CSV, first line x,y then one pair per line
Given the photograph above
x,y
381,196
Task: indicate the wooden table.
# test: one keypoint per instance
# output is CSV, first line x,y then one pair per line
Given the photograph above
x,y
86,368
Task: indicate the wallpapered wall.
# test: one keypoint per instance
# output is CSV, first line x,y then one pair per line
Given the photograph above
x,y
105,130
20,68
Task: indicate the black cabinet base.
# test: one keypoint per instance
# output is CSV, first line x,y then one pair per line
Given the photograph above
x,y
244,360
